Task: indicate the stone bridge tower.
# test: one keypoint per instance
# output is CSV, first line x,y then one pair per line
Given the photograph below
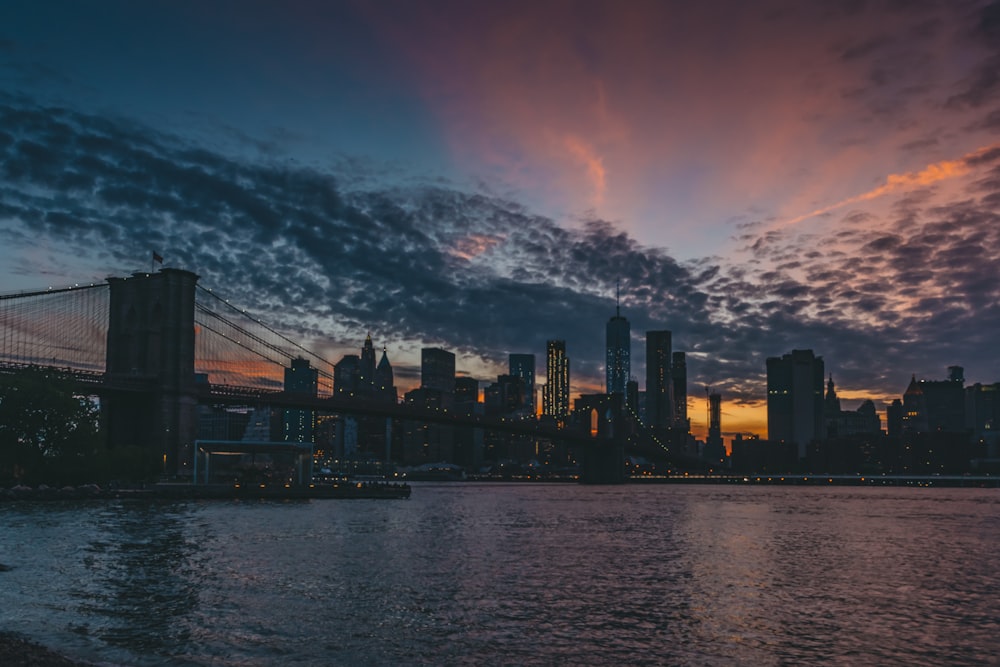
x,y
150,397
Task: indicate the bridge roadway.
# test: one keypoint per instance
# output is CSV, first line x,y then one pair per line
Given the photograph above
x,y
226,394
218,394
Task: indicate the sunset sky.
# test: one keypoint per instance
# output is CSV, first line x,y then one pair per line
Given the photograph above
x,y
759,176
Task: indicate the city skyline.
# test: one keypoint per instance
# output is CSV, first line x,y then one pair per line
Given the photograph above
x,y
758,178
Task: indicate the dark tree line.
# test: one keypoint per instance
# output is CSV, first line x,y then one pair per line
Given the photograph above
x,y
50,434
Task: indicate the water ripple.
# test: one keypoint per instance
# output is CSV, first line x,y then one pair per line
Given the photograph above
x,y
516,574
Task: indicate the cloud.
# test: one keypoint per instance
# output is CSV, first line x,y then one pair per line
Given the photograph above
x,y
879,297
929,175
593,165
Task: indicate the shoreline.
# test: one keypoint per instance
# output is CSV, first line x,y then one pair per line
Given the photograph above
x,y
185,491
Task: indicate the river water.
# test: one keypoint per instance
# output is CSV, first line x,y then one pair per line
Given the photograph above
x,y
515,574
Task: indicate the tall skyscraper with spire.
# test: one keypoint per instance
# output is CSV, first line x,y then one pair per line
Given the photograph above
x,y
384,382
618,353
367,377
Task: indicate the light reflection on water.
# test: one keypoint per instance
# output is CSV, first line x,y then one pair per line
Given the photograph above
x,y
516,574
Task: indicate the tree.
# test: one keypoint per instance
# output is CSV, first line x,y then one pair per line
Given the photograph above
x,y
48,429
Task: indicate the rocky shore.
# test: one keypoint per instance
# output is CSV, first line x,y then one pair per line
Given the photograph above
x,y
18,652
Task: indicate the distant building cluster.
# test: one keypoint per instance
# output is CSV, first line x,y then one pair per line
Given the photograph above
x,y
936,425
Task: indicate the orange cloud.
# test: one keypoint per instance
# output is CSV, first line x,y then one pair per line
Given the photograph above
x,y
593,164
473,245
929,175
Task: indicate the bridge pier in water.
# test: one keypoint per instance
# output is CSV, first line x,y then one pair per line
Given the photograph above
x,y
603,463
150,357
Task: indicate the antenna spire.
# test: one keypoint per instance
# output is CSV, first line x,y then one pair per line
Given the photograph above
x,y
618,298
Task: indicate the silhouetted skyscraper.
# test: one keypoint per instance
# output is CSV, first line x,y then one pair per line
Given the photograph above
x,y
505,397
795,398
894,419
367,365
301,380
632,395
347,375
523,366
930,405
437,370
659,382
982,414
679,376
385,387
618,354
466,394
715,418
715,449
555,395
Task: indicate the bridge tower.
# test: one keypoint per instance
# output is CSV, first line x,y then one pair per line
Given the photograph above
x,y
603,462
152,399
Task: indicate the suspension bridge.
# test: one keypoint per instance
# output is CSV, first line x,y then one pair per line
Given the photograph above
x,y
155,346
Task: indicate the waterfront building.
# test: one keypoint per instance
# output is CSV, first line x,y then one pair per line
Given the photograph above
x,y
795,399
358,376
555,394
423,442
468,449
659,381
930,405
982,414
844,423
301,379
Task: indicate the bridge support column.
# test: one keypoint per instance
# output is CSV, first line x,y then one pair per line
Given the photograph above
x,y
603,464
604,461
152,399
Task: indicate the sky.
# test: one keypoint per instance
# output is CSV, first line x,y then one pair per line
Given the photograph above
x,y
756,176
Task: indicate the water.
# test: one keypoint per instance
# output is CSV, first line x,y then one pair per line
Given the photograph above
x,y
515,574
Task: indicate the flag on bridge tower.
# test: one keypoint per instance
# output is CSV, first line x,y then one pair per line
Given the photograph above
x,y
157,258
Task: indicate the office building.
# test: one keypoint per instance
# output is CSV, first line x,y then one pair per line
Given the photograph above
x,y
936,405
555,394
437,370
714,450
659,382
347,375
795,399
679,378
300,380
523,366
